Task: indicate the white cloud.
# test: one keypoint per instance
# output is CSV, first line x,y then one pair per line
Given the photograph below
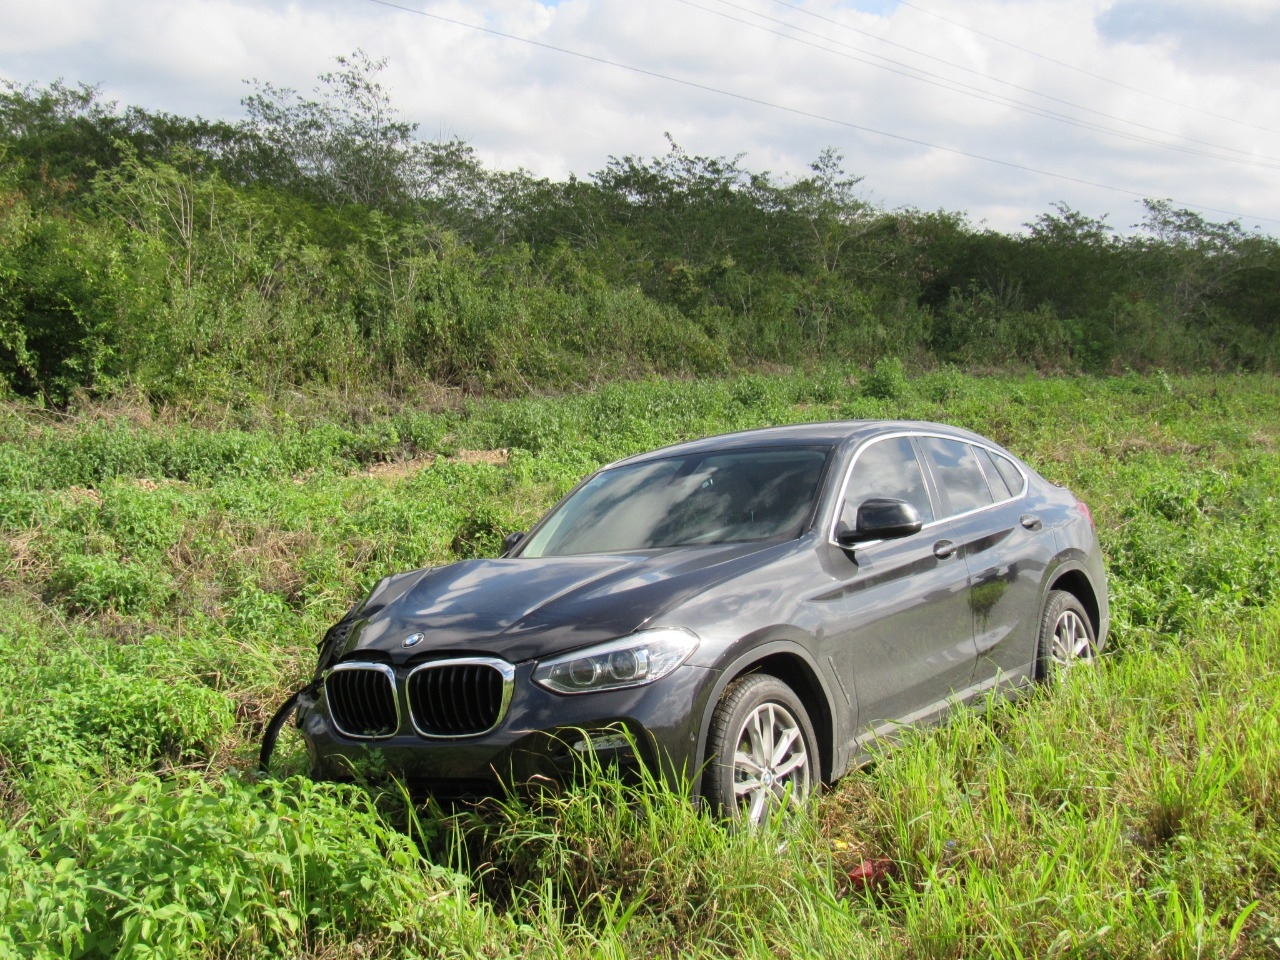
x,y
1215,38
553,113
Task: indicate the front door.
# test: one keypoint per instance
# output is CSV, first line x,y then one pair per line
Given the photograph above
x,y
898,624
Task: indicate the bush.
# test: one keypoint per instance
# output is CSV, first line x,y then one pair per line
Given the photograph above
x,y
887,381
91,583
190,867
117,720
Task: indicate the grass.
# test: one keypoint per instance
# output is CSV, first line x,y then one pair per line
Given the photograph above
x,y
1136,799
166,574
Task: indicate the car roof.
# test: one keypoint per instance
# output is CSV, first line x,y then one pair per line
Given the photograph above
x,y
830,433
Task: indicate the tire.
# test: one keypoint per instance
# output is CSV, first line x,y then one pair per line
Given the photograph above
x,y
1066,636
761,750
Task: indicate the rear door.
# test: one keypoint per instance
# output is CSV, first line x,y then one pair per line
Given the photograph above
x,y
1004,549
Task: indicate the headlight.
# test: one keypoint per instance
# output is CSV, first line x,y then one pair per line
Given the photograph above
x,y
630,662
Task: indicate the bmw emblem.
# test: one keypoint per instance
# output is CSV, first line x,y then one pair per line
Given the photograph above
x,y
412,640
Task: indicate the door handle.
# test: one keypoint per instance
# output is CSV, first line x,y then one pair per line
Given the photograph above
x,y
944,549
1030,521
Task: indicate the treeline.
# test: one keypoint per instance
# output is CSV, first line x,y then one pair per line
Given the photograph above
x,y
320,241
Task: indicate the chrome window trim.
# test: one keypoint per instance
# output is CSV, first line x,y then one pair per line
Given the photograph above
x,y
507,670
912,434
387,672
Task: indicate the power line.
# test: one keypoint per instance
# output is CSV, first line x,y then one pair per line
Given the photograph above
x,y
795,111
960,66
978,94
1081,70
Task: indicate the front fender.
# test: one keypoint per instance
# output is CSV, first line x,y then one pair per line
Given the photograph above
x,y
831,706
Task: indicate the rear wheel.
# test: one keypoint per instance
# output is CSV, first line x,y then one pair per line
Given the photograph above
x,y
762,750
1066,635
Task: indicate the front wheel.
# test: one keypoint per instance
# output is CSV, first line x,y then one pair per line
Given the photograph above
x,y
1066,635
762,750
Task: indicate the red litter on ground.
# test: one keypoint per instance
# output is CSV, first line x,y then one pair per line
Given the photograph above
x,y
870,873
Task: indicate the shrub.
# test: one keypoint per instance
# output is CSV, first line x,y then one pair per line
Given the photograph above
x,y
98,582
112,719
192,868
887,381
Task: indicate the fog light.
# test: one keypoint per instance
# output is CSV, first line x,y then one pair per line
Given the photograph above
x,y
608,741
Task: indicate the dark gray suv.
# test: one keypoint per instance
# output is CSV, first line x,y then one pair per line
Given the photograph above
x,y
744,613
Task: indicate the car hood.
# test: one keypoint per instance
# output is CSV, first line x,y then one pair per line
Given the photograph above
x,y
521,609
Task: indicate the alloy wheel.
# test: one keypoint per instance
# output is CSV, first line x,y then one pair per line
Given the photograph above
x,y
1072,641
771,762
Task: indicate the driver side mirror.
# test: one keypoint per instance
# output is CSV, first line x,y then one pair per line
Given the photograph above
x,y
510,541
881,518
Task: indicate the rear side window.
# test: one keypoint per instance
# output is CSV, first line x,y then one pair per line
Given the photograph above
x,y
962,482
1010,472
886,468
995,480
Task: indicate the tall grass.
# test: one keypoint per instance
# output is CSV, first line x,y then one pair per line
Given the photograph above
x,y
1126,811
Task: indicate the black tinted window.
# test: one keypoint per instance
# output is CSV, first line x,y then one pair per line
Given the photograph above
x,y
964,487
995,480
700,498
886,468
1009,471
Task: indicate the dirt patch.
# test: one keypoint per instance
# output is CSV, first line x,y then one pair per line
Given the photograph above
x,y
400,468
84,493
1165,448
498,458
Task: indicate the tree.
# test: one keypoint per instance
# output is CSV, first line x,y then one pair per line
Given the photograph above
x,y
59,136
1212,277
827,204
347,144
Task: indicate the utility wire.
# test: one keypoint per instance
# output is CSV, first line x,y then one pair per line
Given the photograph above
x,y
971,70
933,79
1081,70
800,113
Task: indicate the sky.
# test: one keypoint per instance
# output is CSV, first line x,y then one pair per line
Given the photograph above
x,y
996,109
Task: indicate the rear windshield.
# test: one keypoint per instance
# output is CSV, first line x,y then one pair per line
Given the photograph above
x,y
678,501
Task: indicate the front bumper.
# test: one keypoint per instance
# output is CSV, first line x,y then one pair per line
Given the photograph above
x,y
544,735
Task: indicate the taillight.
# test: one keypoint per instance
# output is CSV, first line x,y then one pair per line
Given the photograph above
x,y
1084,508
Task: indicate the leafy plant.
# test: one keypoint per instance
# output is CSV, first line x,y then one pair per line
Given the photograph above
x,y
887,381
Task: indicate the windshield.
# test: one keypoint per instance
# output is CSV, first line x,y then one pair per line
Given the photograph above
x,y
695,499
